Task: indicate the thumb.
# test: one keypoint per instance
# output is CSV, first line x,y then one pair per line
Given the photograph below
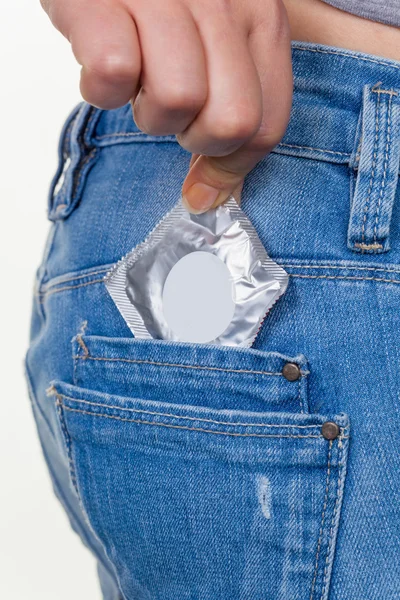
x,y
210,182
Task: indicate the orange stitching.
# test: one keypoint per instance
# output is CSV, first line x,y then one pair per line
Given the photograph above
x,y
376,246
179,365
321,529
374,161
128,134
342,267
356,57
149,412
386,162
331,531
83,346
67,437
377,90
50,284
260,435
345,277
312,148
68,287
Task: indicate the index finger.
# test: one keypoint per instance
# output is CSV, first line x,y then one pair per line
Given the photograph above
x,y
211,180
105,43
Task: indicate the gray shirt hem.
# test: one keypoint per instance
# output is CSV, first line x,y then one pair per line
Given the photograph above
x,y
383,11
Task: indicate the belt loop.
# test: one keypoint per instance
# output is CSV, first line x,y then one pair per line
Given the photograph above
x,y
377,159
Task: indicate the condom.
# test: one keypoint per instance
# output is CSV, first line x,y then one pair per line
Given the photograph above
x,y
204,279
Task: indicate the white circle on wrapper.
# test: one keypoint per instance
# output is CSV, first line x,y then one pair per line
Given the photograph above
x,y
198,298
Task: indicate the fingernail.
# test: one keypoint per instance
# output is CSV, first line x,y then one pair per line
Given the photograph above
x,y
200,196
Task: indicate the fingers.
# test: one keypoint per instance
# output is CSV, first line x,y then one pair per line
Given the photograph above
x,y
233,110
270,46
174,79
212,179
216,73
104,40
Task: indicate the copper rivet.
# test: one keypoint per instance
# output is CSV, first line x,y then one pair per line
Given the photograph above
x,y
330,430
291,372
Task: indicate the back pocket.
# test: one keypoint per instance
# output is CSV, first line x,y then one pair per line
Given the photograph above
x,y
201,471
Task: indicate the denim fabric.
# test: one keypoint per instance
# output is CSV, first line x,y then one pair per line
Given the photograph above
x,y
201,472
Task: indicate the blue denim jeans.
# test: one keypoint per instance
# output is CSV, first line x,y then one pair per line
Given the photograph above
x,y
197,472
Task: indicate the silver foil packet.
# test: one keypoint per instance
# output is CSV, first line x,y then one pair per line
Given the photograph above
x,y
198,278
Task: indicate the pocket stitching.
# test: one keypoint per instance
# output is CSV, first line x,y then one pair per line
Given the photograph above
x,y
177,365
232,423
321,530
301,400
83,353
333,530
144,411
328,544
160,424
68,441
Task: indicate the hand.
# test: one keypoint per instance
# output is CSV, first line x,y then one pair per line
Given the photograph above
x,y
217,73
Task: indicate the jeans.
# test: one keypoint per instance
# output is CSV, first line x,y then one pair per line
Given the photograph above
x,y
199,472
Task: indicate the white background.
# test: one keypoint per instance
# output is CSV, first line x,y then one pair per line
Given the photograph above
x,y
40,557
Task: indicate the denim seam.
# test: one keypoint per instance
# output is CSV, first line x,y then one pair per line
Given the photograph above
x,y
344,268
43,296
49,285
134,135
371,182
69,287
168,425
127,134
82,171
49,291
68,441
43,268
64,154
378,91
87,157
358,153
299,147
45,288
82,344
33,399
70,510
345,277
75,374
73,476
87,137
36,407
299,396
386,160
179,365
78,169
186,418
332,528
321,530
345,55
106,268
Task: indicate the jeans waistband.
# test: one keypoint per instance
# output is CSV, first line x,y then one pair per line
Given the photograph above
x,y
346,111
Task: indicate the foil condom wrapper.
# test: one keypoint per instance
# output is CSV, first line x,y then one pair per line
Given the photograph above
x,y
198,278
